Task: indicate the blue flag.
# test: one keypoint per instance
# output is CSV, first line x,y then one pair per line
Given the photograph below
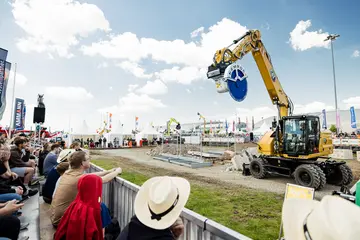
x,y
324,125
3,54
19,114
353,117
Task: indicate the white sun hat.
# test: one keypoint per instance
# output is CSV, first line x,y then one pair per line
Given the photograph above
x,y
64,154
331,219
160,201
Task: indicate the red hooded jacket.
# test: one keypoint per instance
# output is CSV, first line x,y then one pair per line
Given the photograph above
x,y
82,219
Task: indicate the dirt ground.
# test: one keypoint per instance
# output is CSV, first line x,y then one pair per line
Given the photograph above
x,y
137,160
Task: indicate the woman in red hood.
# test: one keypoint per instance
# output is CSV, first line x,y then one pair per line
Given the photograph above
x,y
82,219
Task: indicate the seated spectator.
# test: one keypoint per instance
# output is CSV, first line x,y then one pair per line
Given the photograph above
x,y
84,218
9,181
51,159
9,224
76,146
51,182
23,169
42,156
158,205
67,186
333,218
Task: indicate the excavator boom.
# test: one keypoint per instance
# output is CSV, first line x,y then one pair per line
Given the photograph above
x,y
226,63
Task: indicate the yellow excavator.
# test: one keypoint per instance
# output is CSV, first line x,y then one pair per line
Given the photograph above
x,y
172,120
296,147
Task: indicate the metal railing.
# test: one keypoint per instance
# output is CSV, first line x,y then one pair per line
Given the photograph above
x,y
119,196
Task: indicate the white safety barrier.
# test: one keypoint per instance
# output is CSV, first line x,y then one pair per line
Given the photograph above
x,y
119,196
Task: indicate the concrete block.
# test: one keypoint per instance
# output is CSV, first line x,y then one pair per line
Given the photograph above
x,y
238,161
342,154
358,155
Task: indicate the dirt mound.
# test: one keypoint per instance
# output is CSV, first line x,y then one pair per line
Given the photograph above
x,y
173,149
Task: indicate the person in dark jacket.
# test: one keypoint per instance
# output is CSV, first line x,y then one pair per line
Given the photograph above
x,y
42,156
157,216
17,165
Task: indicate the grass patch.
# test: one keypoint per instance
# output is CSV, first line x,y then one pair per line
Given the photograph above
x,y
253,213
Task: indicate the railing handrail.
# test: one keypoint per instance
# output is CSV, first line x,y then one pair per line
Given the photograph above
x,y
201,221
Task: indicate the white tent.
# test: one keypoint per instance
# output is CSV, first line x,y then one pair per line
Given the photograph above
x,y
117,134
146,132
261,130
83,132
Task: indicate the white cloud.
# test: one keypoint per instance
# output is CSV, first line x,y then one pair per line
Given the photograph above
x,y
134,68
21,80
68,93
196,56
156,87
215,103
312,107
301,39
185,75
135,103
57,25
188,90
196,32
356,54
103,65
132,87
352,102
110,88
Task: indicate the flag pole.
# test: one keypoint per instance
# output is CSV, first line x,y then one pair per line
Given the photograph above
x,y
12,105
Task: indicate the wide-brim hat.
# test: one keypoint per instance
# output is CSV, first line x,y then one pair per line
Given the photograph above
x,y
331,219
64,154
161,200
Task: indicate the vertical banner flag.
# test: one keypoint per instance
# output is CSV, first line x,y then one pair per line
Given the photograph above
x,y
337,119
239,125
4,78
3,54
19,114
210,127
136,122
252,123
226,126
324,124
110,121
23,116
353,117
233,126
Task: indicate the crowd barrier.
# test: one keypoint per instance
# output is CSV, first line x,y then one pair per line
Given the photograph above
x,y
119,196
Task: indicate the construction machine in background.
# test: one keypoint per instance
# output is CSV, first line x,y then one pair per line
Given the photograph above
x,y
296,146
168,130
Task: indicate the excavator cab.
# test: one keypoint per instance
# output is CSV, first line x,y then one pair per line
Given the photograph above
x,y
301,135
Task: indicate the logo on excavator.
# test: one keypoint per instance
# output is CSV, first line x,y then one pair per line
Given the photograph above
x,y
273,75
236,81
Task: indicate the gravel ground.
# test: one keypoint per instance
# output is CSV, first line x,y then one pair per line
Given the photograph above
x,y
216,173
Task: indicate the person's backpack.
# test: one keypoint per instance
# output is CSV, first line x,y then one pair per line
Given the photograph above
x,y
112,231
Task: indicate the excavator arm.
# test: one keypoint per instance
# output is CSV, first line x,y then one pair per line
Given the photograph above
x,y
172,120
203,118
227,58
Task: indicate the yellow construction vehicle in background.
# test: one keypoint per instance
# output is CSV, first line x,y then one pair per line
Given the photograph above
x,y
296,143
172,120
203,118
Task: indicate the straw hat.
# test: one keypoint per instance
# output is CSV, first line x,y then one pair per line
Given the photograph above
x,y
64,155
331,219
160,201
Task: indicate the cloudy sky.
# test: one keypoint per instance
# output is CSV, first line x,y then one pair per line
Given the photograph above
x,y
149,58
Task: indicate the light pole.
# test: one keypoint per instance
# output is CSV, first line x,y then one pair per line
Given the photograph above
x,y
331,38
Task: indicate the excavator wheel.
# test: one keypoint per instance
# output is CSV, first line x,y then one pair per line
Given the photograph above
x,y
308,176
351,176
257,168
321,175
340,175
